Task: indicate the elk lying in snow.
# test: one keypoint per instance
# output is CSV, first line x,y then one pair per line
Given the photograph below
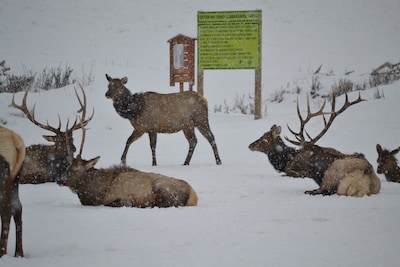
x,y
387,164
316,162
12,153
46,163
123,186
154,113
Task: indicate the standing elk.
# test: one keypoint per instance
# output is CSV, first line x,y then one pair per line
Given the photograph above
x,y
12,154
387,164
153,113
46,163
355,178
123,186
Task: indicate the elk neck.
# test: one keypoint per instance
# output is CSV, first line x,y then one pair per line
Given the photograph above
x,y
129,105
281,154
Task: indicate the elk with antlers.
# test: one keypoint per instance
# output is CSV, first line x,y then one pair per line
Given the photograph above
x,y
387,164
154,113
46,163
123,186
12,154
319,163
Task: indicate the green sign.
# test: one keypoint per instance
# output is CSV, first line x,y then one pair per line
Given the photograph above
x,y
229,39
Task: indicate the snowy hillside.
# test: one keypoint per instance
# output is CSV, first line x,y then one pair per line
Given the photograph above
x,y
248,214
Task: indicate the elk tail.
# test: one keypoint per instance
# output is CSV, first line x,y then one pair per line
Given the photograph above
x,y
193,198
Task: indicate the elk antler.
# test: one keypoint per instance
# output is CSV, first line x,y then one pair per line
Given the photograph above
x,y
31,115
300,138
83,121
79,157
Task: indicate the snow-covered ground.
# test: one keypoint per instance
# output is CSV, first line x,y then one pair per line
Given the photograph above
x,y
248,214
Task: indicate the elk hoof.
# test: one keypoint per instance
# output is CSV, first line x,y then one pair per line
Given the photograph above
x,y
312,192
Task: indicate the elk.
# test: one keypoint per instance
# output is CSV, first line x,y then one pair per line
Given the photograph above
x,y
12,154
120,186
319,163
45,163
153,113
387,164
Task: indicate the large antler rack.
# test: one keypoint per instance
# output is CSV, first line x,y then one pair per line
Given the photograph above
x,y
300,138
31,114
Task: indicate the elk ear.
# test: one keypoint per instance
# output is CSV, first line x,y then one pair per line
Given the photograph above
x,y
124,80
378,148
108,77
394,152
276,131
50,138
90,163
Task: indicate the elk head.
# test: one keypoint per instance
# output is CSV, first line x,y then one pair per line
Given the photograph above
x,y
116,88
387,164
270,143
79,166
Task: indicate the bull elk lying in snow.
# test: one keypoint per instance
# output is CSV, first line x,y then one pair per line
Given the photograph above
x,y
46,163
123,186
333,171
12,154
153,113
387,164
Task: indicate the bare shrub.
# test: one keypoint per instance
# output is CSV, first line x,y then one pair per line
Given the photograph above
x,y
277,96
315,86
378,94
54,78
48,79
385,74
344,86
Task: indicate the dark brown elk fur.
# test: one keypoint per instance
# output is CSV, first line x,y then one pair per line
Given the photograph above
x,y
153,113
12,153
356,178
387,164
46,163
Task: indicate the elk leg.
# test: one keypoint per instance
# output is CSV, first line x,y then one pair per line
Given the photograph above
x,y
5,204
191,137
134,136
153,144
16,209
320,192
206,132
5,227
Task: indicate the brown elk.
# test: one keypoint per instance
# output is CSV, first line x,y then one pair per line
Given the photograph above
x,y
153,113
123,186
313,161
12,154
45,163
387,164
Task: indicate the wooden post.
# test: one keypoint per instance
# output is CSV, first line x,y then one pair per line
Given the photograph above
x,y
200,81
181,87
257,94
